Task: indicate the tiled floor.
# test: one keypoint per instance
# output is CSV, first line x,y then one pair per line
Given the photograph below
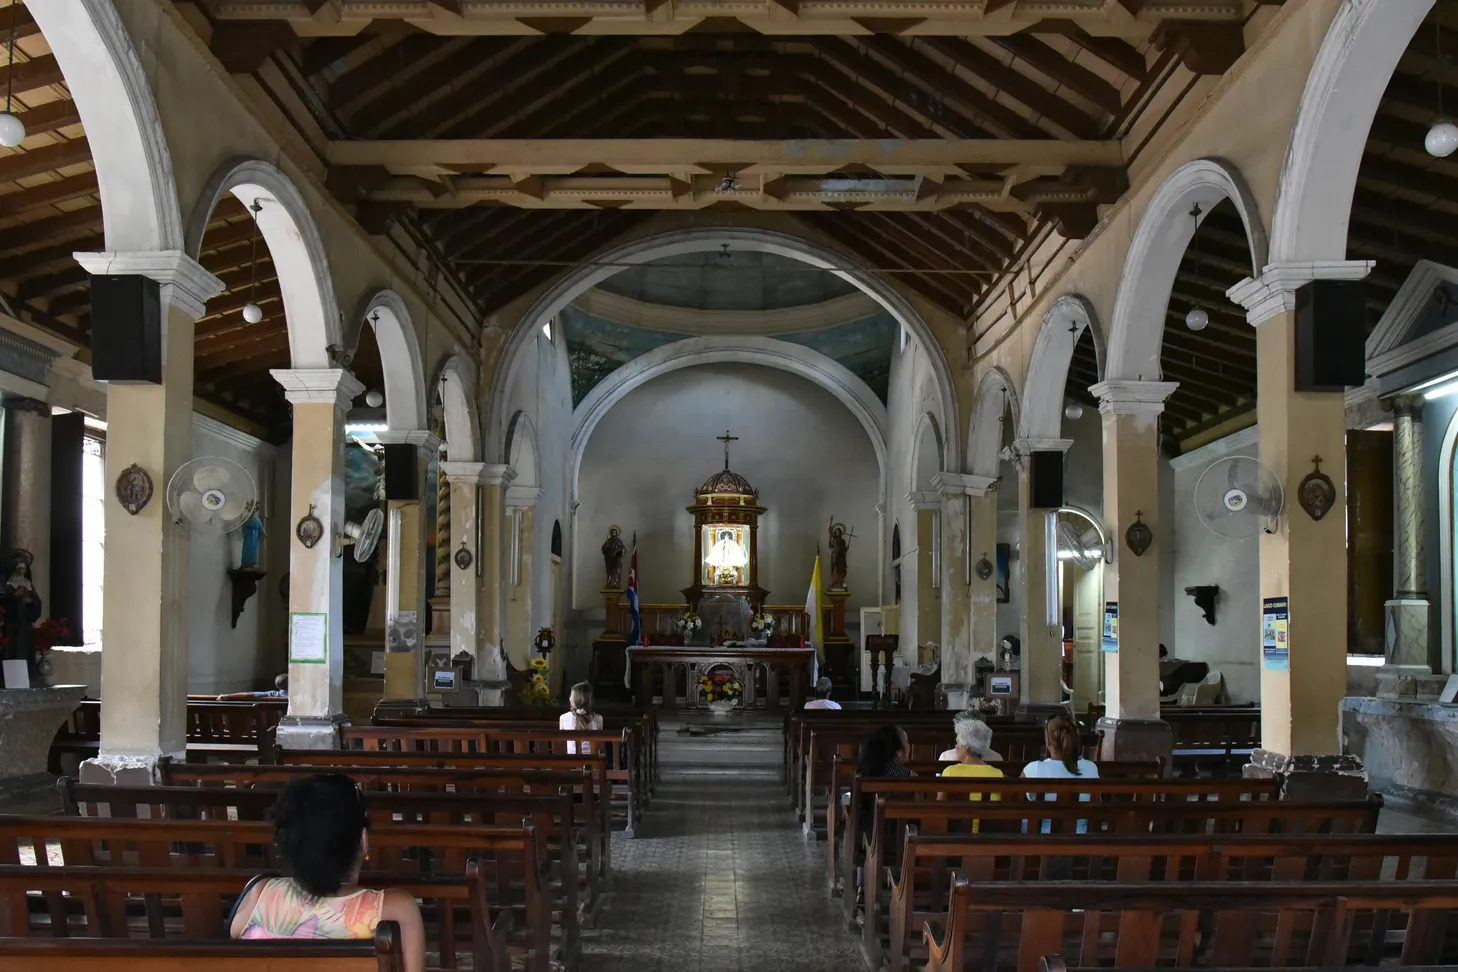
x,y
719,877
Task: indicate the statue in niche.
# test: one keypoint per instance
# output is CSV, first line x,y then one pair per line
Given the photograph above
x,y
839,548
613,549
22,607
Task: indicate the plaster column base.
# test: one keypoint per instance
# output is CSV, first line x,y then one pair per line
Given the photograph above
x,y
956,696
493,693
308,732
1407,631
124,769
1038,712
29,719
1412,682
1140,740
1310,779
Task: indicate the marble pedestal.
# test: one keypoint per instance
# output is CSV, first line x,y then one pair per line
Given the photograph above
x,y
29,719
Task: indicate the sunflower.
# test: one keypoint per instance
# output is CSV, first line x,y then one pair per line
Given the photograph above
x,y
540,664
538,679
543,690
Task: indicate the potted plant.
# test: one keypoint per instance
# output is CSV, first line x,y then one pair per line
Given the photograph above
x,y
722,690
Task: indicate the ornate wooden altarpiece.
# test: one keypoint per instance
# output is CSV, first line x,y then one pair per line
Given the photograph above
x,y
726,514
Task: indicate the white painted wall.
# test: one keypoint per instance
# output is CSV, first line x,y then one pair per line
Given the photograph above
x,y
1232,645
222,658
805,452
911,394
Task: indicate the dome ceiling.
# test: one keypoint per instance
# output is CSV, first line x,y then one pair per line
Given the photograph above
x,y
746,280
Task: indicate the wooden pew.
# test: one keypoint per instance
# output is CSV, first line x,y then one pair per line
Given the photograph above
x,y
380,954
624,768
1217,740
919,890
1332,925
550,817
590,821
234,730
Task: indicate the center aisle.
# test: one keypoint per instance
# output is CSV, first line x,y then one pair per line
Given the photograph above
x,y
719,878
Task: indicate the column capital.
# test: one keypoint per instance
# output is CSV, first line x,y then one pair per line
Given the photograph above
x,y
522,497
1022,448
926,499
464,473
1409,406
318,386
497,474
962,484
1274,291
184,281
427,442
1133,397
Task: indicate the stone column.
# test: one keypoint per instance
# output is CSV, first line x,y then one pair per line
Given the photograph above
x,y
956,577
1304,561
491,668
1133,728
928,508
983,529
145,602
464,480
521,503
445,551
406,532
27,502
1041,631
1407,612
881,568
320,398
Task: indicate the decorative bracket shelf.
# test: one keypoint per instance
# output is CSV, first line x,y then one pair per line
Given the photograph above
x,y
1205,595
245,583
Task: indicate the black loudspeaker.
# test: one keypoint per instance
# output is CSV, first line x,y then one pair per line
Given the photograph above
x,y
401,481
126,328
1045,480
1331,335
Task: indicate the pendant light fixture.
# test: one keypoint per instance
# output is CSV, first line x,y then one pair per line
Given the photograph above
x,y
12,129
1197,318
1073,411
252,313
1441,140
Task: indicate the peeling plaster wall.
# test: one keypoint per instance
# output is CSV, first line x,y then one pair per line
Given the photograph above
x,y
911,394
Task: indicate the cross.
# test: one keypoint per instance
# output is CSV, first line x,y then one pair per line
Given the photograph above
x,y
726,438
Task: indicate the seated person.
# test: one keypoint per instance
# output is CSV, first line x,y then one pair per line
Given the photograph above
x,y
280,691
322,832
973,739
822,698
1064,762
950,755
581,717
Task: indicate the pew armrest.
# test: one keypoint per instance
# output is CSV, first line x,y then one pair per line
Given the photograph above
x,y
1052,963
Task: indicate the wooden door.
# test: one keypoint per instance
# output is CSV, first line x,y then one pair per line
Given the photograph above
x,y
1088,670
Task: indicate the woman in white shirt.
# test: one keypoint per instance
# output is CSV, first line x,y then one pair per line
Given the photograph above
x,y
581,718
1064,762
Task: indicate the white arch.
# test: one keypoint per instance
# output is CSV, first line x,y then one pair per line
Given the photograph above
x,y
458,401
995,394
928,436
521,450
139,206
710,240
399,359
1137,329
1047,380
808,363
297,250
1314,196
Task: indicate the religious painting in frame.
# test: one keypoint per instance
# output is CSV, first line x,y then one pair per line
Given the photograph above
x,y
1004,573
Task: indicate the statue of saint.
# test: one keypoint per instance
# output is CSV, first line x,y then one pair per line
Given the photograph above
x,y
839,547
613,549
22,607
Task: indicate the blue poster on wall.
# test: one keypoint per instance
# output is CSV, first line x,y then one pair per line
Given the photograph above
x,y
1276,634
1110,642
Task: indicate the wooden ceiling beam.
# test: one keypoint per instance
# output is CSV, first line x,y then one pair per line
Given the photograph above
x,y
933,225
391,66
1064,114
874,250
550,96
49,117
430,95
1118,54
844,70
47,158
558,155
48,194
1056,67
32,262
51,284
23,77
580,247
27,236
500,85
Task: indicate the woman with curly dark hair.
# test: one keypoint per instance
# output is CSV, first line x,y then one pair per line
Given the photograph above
x,y
321,830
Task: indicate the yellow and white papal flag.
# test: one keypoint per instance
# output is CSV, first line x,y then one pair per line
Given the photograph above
x,y
815,631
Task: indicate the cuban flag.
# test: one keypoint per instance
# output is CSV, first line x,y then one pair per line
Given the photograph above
x,y
636,636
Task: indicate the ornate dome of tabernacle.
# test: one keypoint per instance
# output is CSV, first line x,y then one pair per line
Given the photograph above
x,y
727,481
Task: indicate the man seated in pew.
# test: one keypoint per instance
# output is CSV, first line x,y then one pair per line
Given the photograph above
x,y
280,691
321,829
967,715
580,716
1064,762
822,698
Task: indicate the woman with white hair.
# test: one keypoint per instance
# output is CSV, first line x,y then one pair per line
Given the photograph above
x,y
974,747
967,715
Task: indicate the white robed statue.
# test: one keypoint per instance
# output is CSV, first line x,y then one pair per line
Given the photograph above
x,y
727,557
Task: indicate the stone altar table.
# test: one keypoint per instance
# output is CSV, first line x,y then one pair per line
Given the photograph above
x,y
654,669
29,719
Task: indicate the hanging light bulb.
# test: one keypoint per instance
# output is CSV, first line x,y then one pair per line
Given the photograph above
x,y
1441,140
373,398
12,129
1073,411
1197,319
252,313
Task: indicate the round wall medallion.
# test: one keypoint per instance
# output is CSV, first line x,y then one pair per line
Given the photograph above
x,y
133,489
1317,493
1138,536
463,557
983,568
309,531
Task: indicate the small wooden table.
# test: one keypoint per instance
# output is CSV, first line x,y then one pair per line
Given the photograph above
x,y
782,666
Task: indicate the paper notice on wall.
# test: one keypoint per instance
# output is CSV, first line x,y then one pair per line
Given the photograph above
x,y
308,638
1276,634
1110,642
17,673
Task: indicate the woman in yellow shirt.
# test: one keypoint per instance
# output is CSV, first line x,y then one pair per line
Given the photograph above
x,y
974,742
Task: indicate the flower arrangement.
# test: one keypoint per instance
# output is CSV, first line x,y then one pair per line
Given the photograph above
x,y
720,687
762,623
538,691
688,622
51,632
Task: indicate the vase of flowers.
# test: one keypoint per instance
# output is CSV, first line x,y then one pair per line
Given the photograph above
x,y
688,622
538,691
721,690
761,625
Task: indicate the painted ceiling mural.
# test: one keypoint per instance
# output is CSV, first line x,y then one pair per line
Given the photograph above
x,y
597,346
